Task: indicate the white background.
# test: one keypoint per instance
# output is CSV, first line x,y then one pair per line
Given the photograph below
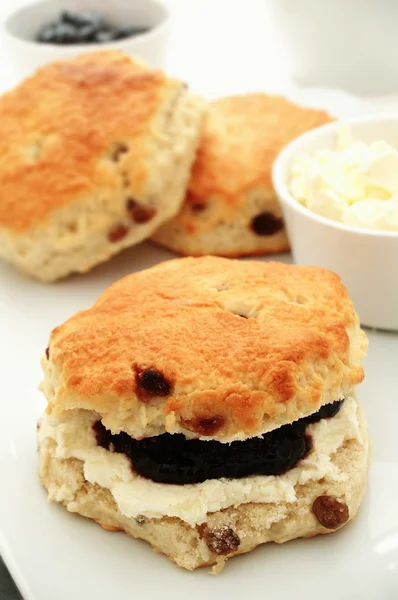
x,y
219,47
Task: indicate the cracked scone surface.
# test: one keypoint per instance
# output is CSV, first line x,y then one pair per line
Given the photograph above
x,y
230,207
217,535
234,349
95,154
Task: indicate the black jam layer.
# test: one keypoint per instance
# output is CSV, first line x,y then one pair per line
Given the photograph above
x,y
170,458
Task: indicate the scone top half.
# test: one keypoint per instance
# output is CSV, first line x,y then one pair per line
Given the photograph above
x,y
95,153
212,348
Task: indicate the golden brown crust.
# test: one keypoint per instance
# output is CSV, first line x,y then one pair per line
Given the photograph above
x,y
57,126
250,344
231,184
241,139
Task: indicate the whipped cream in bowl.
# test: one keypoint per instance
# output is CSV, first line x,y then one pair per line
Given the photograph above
x,y
355,183
338,188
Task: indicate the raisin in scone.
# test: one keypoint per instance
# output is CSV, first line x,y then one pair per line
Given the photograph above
x,y
208,405
231,208
95,154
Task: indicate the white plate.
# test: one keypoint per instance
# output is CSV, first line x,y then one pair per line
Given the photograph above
x,y
54,555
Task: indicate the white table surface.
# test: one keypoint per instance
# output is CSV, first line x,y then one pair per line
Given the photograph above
x,y
219,47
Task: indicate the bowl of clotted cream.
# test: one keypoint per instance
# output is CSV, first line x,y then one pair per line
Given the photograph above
x,y
338,188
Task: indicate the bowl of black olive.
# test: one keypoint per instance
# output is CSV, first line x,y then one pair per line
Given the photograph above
x,y
54,29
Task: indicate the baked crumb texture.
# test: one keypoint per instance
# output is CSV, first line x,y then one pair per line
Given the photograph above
x,y
95,154
225,533
230,207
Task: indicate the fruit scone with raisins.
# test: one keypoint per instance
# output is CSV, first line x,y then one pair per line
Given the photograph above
x,y
95,154
207,405
231,208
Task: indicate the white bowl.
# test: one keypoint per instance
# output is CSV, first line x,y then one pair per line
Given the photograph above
x,y
27,55
366,260
350,44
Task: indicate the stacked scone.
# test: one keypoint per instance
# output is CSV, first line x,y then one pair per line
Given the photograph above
x,y
207,406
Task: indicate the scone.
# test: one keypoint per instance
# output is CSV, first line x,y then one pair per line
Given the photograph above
x,y
230,207
95,154
207,405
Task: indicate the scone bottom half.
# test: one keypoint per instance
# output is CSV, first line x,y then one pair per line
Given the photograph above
x,y
169,416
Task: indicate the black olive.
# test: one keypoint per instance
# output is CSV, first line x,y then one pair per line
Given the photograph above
x,y
105,36
46,35
81,28
125,32
86,34
84,18
64,34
